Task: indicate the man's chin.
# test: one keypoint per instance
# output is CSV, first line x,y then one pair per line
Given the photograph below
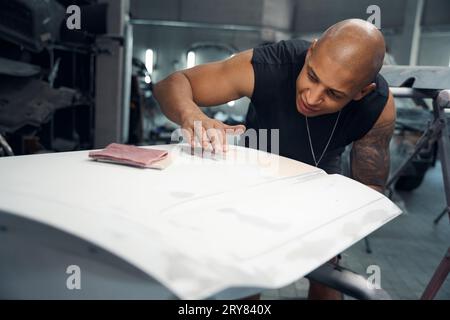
x,y
307,113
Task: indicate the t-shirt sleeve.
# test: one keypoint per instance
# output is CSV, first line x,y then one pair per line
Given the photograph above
x,y
363,118
273,66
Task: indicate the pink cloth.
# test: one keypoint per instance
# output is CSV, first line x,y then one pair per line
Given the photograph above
x,y
130,155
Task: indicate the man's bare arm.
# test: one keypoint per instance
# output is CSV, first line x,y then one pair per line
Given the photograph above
x,y
181,93
370,155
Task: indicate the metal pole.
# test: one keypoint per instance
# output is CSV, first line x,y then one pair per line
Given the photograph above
x,y
413,93
415,41
127,73
201,25
439,104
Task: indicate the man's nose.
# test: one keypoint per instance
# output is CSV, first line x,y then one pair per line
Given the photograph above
x,y
314,96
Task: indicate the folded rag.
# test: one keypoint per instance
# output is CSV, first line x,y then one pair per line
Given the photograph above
x,y
131,155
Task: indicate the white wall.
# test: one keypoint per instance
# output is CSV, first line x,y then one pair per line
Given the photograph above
x,y
435,49
267,13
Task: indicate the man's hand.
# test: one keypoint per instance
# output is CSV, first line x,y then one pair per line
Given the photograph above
x,y
209,134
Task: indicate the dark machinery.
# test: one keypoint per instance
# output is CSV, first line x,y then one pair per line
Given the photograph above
x,y
46,102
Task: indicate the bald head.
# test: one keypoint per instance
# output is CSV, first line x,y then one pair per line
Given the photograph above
x,y
356,44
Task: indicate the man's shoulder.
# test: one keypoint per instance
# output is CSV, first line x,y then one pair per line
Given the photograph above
x,y
384,125
300,43
388,115
374,110
282,52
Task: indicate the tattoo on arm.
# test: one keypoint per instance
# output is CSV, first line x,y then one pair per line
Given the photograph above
x,y
370,157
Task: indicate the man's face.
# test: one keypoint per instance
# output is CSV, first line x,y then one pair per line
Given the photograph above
x,y
324,86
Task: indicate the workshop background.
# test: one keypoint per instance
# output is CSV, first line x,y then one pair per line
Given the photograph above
x,y
65,89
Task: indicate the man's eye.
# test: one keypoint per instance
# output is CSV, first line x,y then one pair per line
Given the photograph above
x,y
332,95
310,76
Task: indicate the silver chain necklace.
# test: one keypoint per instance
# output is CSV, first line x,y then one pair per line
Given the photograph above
x,y
328,143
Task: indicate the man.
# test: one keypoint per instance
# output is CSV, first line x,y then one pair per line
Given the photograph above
x,y
322,96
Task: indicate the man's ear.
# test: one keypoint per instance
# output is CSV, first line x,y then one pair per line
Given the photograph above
x,y
365,91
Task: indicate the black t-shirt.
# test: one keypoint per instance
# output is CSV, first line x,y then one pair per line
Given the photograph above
x,y
273,106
